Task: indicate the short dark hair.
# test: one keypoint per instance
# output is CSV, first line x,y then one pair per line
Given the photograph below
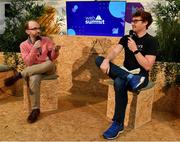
x,y
26,25
146,16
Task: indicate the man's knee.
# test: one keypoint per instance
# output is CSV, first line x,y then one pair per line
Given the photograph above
x,y
49,64
35,80
99,60
119,83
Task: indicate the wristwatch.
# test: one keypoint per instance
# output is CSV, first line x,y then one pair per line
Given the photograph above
x,y
136,52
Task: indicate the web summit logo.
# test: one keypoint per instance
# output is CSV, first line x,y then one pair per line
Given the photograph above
x,y
92,20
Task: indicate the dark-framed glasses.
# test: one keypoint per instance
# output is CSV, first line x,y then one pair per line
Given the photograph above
x,y
35,28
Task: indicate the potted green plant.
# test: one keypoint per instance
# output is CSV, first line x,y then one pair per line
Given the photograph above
x,y
168,34
18,13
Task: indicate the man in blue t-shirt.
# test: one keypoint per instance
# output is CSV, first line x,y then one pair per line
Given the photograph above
x,y
140,54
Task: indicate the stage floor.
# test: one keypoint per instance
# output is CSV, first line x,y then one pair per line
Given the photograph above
x,y
78,118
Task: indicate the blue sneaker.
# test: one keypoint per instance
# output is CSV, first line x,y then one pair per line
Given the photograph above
x,y
113,131
136,81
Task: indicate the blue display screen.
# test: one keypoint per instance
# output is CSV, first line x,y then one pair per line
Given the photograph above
x,y
96,18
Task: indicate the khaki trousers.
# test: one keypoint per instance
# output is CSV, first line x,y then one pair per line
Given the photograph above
x,y
33,75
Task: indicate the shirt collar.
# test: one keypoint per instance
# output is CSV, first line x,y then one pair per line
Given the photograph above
x,y
29,40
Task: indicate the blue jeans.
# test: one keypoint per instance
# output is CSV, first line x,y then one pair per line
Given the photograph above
x,y
121,87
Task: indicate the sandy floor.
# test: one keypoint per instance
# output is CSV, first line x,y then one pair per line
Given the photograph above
x,y
78,118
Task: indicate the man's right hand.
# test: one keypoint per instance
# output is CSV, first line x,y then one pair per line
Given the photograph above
x,y
105,66
37,44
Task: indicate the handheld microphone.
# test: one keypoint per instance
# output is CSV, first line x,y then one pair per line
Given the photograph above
x,y
132,34
38,38
39,49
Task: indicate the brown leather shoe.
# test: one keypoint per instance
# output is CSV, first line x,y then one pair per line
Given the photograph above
x,y
33,116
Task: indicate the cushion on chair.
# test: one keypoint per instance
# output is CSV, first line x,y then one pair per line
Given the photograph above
x,y
50,77
4,68
150,85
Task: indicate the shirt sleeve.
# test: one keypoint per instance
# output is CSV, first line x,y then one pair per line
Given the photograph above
x,y
123,41
153,47
51,48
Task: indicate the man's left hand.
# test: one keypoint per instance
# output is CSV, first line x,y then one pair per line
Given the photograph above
x,y
57,48
132,45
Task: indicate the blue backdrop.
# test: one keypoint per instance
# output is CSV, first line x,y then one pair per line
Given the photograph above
x,y
97,18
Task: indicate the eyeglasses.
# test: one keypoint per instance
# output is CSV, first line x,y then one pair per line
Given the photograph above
x,y
35,28
135,21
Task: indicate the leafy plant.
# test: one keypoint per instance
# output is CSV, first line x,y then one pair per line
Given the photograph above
x,y
18,13
168,29
171,74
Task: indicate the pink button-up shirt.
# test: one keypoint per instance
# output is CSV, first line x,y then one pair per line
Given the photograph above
x,y
33,56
